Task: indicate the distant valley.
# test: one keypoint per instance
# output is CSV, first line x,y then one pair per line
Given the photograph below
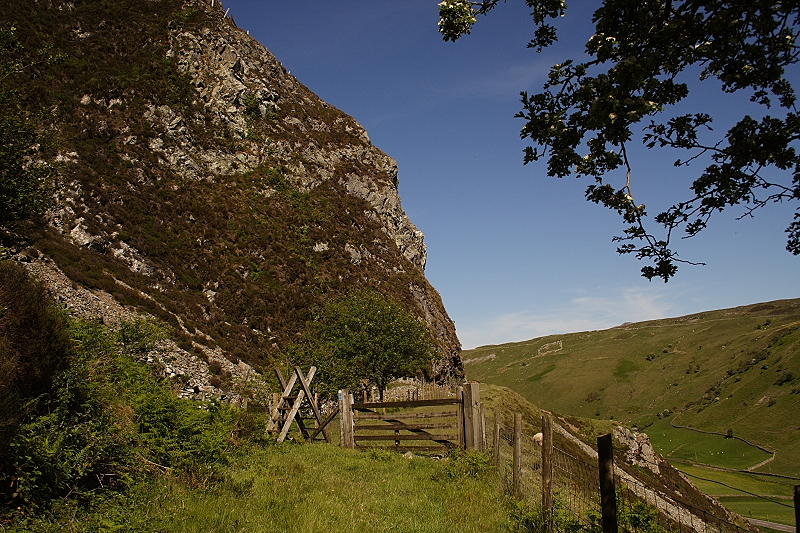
x,y
733,372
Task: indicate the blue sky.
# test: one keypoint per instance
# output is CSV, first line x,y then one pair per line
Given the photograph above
x,y
514,254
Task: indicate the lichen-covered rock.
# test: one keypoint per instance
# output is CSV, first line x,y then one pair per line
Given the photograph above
x,y
638,449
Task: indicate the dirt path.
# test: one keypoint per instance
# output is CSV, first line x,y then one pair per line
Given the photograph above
x,y
771,525
762,463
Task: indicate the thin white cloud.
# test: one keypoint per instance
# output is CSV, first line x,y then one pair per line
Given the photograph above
x,y
505,82
584,313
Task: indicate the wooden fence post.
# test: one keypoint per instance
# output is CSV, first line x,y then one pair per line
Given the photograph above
x,y
797,508
516,476
496,451
460,417
608,493
346,417
547,467
483,429
472,416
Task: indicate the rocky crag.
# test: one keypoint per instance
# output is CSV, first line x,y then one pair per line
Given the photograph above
x,y
204,185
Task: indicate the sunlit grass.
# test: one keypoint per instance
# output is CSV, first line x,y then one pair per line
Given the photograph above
x,y
324,488
305,489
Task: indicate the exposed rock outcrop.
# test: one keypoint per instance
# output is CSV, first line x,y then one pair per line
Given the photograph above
x,y
206,186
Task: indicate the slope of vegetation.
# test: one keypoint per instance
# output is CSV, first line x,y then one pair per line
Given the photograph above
x,y
103,445
93,441
734,369
231,257
727,373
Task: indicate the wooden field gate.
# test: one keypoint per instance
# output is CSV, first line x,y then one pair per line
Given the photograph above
x,y
454,422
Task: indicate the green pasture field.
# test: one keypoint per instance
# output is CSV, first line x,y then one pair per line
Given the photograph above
x,y
778,489
686,445
762,485
758,508
736,369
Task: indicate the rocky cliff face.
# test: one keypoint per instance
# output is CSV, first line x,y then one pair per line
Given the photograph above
x,y
205,185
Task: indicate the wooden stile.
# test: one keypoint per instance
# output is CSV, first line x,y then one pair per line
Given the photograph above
x,y
291,418
325,423
305,385
285,408
287,390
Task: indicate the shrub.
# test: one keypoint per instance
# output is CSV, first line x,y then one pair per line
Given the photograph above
x,y
364,338
33,345
532,519
26,185
466,463
108,420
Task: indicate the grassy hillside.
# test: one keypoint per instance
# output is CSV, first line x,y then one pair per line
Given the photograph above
x,y
736,369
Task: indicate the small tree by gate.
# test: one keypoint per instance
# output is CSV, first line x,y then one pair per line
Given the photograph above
x,y
455,423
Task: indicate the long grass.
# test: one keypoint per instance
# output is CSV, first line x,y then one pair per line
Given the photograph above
x,y
309,489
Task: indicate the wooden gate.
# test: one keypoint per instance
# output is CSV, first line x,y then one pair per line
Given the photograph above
x,y
413,425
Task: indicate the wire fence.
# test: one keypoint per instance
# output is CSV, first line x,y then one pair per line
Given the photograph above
x,y
560,479
642,508
575,487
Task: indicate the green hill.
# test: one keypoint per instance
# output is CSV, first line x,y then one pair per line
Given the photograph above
x,y
732,369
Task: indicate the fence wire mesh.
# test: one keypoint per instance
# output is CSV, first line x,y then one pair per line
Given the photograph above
x,y
642,505
642,508
576,496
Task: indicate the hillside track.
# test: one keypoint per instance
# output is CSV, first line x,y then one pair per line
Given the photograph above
x,y
772,525
762,463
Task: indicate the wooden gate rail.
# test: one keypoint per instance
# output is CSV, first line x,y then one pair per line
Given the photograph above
x,y
395,425
407,403
379,416
464,430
